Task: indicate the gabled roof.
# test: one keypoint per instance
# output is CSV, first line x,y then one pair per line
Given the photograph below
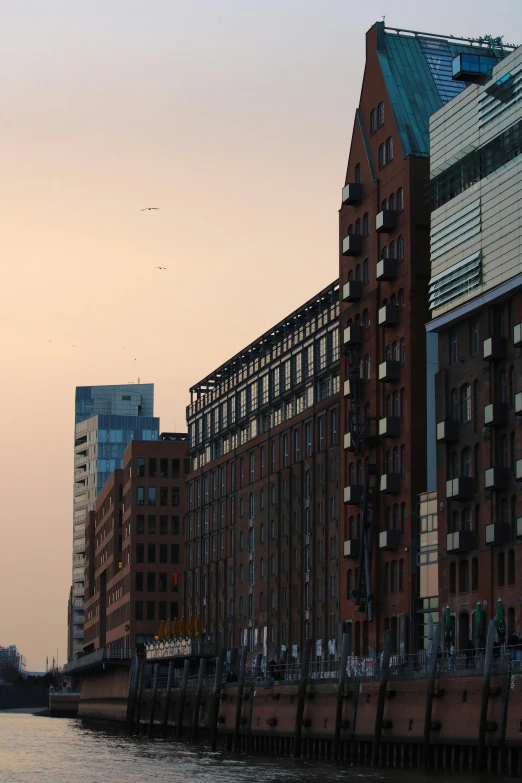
x,y
417,70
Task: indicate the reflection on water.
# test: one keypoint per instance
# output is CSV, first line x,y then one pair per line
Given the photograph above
x,y
54,750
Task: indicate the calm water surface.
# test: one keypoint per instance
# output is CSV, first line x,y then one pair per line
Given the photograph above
x,y
54,750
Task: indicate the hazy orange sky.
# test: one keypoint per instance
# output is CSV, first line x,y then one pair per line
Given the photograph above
x,y
233,117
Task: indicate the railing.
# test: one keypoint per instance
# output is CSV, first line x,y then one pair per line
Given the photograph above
x,y
98,656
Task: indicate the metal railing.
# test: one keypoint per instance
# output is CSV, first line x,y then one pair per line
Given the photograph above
x,y
98,656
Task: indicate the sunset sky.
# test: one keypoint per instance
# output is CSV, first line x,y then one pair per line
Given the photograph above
x,y
234,117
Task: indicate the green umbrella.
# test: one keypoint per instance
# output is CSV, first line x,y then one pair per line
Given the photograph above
x,y
479,625
500,621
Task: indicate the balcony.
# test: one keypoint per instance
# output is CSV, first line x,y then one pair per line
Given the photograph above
x,y
495,414
348,388
349,441
352,193
496,478
385,221
518,470
390,483
351,548
518,403
461,541
497,534
386,269
389,370
494,348
447,431
459,488
353,494
352,291
519,527
352,245
389,315
389,427
389,540
517,334
353,335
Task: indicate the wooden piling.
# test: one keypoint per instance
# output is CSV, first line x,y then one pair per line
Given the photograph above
x,y
154,697
488,663
301,695
216,698
166,706
257,670
182,698
429,695
340,695
197,700
140,695
239,705
133,692
381,697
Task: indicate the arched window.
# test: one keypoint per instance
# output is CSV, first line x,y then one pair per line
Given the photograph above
x,y
366,229
465,403
453,347
511,568
454,405
396,410
366,271
373,121
380,114
384,204
387,462
396,466
391,202
402,350
465,462
388,353
395,351
384,252
403,461
403,517
350,275
386,577
394,576
367,367
401,576
502,386
400,200
393,249
358,173
366,319
352,474
403,403
400,298
358,226
350,229
474,574
349,586
400,248
500,569
358,272
382,156
389,150
395,516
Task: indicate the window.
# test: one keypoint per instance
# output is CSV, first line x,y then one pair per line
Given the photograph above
x,y
366,271
389,150
174,554
473,337
391,202
151,610
152,467
139,581
151,524
382,156
373,121
474,574
453,347
465,403
151,553
140,496
400,248
465,459
403,461
402,351
511,568
296,445
174,526
357,172
138,610
500,570
502,386
367,368
454,405
394,580
334,428
400,200
380,114
164,496
393,249
140,524
401,576
463,576
366,229
140,553
151,494
252,467
140,464
358,226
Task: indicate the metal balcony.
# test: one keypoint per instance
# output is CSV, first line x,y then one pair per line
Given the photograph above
x,y
495,414
352,291
348,388
389,315
497,534
389,370
519,527
386,269
494,348
461,541
389,427
518,470
353,335
349,441
352,193
385,221
390,483
496,478
517,334
351,548
389,540
353,494
518,403
447,431
352,245
459,488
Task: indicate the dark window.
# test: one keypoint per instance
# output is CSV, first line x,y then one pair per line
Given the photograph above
x,y
400,200
138,610
380,114
175,468
151,582
358,172
174,526
151,524
400,248
474,337
174,554
366,271
139,581
358,226
175,496
511,568
151,610
151,496
382,156
152,467
151,553
389,150
174,610
500,570
140,524
164,468
366,229
162,610
140,496
162,582
140,464
474,574
140,553
174,581
453,347
163,551
164,496
373,121
463,576
163,525
401,576
394,580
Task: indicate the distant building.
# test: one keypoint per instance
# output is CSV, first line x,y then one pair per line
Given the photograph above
x,y
134,546
11,658
107,418
263,494
476,301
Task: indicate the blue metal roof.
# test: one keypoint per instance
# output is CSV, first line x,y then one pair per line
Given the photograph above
x,y
417,73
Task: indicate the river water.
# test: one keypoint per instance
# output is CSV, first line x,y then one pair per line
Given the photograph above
x,y
56,750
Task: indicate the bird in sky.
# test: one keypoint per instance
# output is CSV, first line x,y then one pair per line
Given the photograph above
x,y
148,208
160,267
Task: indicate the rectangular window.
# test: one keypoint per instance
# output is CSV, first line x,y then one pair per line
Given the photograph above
x,y
174,610
164,496
334,428
139,581
151,553
151,582
164,468
151,524
140,496
162,582
174,582
138,610
140,553
163,553
296,442
162,611
151,610
175,496
174,526
163,525
152,467
151,494
140,524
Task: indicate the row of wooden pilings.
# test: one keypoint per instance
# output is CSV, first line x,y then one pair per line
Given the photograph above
x,y
374,752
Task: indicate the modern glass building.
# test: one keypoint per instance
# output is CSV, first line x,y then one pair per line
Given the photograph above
x,y
107,419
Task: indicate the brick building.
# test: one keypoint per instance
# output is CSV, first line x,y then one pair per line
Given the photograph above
x,y
134,546
384,270
262,521
476,300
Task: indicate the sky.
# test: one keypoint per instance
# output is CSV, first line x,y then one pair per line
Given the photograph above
x,y
233,117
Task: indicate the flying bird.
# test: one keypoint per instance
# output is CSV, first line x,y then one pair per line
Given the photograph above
x,y
160,267
148,208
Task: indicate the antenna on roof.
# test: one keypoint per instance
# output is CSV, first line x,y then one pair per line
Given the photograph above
x,y
384,18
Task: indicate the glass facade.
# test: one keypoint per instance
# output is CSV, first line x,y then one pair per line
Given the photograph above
x,y
107,419
428,600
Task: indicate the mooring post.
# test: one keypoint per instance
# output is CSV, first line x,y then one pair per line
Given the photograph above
x,y
197,700
239,705
256,672
301,695
133,689
504,707
216,698
166,705
154,697
341,695
488,663
139,700
429,695
182,697
380,699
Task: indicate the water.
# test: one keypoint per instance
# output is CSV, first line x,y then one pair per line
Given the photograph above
x,y
54,750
